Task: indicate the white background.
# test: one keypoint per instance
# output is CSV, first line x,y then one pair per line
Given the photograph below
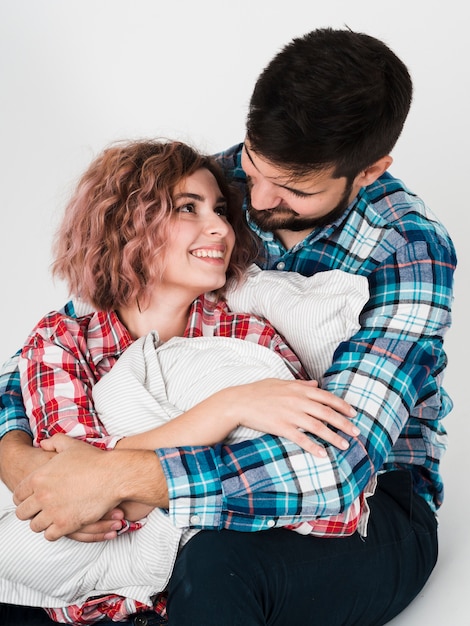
x,y
78,74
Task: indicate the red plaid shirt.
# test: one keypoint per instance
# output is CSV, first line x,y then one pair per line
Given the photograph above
x,y
65,357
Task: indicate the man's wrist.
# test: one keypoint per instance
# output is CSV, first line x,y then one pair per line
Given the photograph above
x,y
13,446
140,477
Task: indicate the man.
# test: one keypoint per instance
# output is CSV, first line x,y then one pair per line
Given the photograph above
x,y
323,119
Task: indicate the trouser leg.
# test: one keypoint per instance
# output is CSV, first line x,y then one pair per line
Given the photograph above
x,y
12,615
279,577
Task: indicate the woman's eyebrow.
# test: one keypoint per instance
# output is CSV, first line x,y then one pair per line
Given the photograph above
x,y
196,196
187,194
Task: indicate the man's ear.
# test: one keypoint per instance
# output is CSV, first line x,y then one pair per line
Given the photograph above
x,y
372,172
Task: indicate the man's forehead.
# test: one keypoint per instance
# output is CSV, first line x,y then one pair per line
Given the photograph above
x,y
285,177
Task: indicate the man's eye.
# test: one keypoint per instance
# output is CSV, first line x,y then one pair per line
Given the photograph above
x,y
298,194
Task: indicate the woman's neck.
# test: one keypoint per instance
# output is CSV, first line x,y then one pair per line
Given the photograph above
x,y
167,319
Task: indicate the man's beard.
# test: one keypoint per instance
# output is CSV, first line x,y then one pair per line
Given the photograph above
x,y
284,218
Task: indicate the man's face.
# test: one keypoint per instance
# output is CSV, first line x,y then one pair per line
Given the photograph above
x,y
279,203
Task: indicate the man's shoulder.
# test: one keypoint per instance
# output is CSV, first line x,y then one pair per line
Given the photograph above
x,y
397,208
230,161
391,198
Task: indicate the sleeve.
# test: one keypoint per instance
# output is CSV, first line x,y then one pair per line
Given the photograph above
x,y
57,376
391,371
384,371
12,411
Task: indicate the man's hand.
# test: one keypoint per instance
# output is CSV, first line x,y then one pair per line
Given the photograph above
x,y
18,458
69,495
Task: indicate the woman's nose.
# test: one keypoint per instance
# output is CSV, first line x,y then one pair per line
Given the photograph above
x,y
217,225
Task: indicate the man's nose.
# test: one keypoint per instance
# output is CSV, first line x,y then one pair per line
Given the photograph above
x,y
264,195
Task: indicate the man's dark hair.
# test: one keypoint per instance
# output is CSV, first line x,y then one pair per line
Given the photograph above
x,y
330,98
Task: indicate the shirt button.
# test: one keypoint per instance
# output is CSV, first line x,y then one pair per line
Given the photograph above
x,y
281,265
271,523
140,620
195,519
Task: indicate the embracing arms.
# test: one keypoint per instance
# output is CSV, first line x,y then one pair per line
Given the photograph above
x,y
57,388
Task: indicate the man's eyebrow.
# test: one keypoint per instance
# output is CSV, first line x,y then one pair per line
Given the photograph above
x,y
249,156
286,187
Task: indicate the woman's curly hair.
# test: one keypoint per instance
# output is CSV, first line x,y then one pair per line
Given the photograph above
x,y
110,245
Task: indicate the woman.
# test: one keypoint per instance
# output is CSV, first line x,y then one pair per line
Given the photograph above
x,y
149,239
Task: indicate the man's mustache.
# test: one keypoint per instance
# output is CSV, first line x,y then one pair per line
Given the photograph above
x,y
277,210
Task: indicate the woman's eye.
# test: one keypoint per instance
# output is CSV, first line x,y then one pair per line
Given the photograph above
x,y
222,210
186,208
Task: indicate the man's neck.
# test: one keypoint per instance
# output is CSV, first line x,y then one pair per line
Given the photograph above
x,y
290,238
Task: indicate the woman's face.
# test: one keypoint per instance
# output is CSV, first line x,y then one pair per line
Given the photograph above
x,y
201,239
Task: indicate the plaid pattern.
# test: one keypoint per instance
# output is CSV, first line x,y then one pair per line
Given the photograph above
x,y
390,371
66,356
109,607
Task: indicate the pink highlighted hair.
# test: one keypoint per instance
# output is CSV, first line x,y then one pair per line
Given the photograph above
x,y
111,243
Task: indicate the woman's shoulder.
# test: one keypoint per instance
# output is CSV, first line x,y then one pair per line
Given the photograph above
x,y
98,328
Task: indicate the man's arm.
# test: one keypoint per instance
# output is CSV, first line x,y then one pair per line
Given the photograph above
x,y
106,479
269,481
388,370
17,456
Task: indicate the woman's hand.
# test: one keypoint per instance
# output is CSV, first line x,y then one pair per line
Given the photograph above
x,y
291,409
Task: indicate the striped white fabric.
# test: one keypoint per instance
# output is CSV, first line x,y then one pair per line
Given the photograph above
x,y
153,383
313,313
37,572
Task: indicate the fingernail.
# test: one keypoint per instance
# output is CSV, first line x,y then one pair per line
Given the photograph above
x,y
355,431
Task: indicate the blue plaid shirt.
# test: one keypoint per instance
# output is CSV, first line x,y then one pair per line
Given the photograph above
x,y
390,371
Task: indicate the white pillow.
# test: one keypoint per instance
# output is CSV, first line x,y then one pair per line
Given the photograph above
x,y
313,313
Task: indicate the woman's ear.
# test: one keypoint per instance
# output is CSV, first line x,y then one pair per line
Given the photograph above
x,y
372,172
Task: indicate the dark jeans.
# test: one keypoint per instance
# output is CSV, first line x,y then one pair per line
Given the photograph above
x,y
279,577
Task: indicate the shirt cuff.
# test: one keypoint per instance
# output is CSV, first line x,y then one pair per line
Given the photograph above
x,y
194,486
14,420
